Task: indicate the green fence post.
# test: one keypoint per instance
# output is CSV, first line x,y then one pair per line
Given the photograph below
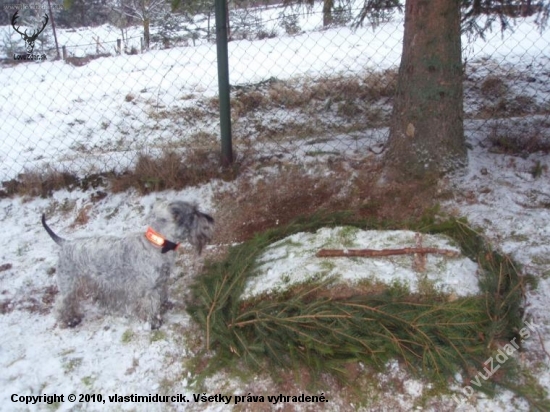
x,y
223,81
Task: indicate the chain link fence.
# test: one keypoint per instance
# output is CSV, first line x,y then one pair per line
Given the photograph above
x,y
303,86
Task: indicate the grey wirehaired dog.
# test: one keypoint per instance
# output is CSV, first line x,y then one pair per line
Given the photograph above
x,y
128,274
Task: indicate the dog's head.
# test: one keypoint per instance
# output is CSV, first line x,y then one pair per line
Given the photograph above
x,y
181,221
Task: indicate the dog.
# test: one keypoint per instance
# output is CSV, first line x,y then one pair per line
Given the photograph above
x,y
128,274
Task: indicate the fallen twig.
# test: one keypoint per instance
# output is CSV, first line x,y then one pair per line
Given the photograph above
x,y
385,252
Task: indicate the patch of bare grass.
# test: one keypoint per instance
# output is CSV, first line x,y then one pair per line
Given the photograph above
x,y
189,114
82,217
39,183
500,102
82,61
288,95
37,301
254,206
315,94
244,102
172,170
493,87
518,140
43,182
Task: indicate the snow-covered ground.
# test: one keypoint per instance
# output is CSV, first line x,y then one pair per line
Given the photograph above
x,y
111,355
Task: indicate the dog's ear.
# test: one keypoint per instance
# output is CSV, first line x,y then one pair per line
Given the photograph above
x,y
201,232
182,213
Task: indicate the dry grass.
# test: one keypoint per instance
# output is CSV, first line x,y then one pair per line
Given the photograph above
x,y
170,170
173,171
311,95
256,205
276,200
520,140
39,183
82,217
298,109
253,204
493,87
244,103
82,61
511,106
189,114
499,100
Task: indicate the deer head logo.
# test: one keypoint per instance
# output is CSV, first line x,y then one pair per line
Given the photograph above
x,y
29,40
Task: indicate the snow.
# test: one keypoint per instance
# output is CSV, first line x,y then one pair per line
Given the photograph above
x,y
44,106
292,260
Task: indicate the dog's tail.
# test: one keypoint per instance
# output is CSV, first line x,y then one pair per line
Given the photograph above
x,y
56,239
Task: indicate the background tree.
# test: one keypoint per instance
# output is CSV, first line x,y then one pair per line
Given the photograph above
x,y
144,11
328,5
82,13
501,11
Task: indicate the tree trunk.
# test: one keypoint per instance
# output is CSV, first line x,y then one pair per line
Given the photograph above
x,y
327,12
426,130
146,32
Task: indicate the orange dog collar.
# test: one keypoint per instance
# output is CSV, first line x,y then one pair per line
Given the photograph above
x,y
158,240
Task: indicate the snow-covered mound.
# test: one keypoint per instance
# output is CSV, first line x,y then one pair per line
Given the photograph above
x,y
292,260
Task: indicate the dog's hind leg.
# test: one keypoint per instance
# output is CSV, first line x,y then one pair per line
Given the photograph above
x,y
68,312
68,308
156,297
153,307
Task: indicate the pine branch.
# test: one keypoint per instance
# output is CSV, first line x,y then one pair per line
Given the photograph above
x,y
311,325
213,306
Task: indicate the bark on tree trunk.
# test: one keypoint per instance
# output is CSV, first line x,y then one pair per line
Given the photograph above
x,y
327,12
146,32
426,130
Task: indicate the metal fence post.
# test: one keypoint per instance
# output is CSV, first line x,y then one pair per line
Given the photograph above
x,y
223,81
